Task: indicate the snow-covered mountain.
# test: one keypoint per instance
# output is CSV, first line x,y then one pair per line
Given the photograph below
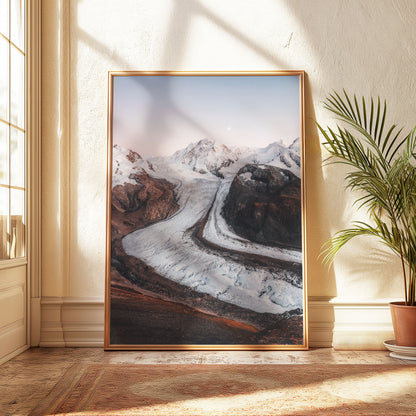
x,y
127,162
205,156
120,152
124,163
208,157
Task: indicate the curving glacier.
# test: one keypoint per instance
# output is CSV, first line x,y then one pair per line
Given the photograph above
x,y
176,256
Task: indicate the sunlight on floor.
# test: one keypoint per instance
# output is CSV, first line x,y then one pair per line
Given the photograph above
x,y
389,388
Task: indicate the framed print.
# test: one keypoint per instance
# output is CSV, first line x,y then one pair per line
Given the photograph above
x,y
205,223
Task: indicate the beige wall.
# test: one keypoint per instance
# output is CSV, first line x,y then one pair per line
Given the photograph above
x,y
366,47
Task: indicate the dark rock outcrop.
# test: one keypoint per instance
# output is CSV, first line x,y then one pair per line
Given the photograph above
x,y
133,156
264,205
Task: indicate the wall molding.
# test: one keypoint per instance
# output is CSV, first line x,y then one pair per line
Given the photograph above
x,y
34,209
362,325
13,354
72,322
356,324
321,322
344,324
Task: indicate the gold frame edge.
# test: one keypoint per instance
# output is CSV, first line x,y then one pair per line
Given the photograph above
x,y
203,347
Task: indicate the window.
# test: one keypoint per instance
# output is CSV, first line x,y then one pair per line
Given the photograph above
x,y
12,129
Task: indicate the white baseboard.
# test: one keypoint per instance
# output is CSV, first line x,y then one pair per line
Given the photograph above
x,y
343,324
72,322
362,325
321,322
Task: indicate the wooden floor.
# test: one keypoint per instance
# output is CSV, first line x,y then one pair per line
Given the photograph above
x,y
27,379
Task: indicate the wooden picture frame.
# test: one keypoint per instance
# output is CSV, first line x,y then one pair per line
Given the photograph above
x,y
206,211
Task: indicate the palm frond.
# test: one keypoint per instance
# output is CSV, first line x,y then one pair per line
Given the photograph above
x,y
372,127
331,247
382,169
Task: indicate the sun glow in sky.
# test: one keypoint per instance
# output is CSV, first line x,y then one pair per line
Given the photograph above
x,y
157,115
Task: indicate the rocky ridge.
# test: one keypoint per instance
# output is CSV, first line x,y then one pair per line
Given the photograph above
x,y
264,205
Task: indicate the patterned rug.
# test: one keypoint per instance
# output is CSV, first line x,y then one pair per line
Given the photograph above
x,y
303,390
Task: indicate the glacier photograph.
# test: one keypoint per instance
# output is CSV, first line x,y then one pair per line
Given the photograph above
x,y
206,212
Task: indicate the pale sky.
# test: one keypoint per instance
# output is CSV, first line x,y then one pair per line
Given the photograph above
x,y
157,115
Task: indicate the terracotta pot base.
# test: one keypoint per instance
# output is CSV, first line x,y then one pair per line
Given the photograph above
x,y
404,323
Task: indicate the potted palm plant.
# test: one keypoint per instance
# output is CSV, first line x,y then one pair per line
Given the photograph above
x,y
382,171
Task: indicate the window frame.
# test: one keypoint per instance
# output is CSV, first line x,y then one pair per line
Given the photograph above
x,y
14,127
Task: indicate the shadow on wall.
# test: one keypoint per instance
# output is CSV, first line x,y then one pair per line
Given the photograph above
x,y
366,48
182,15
